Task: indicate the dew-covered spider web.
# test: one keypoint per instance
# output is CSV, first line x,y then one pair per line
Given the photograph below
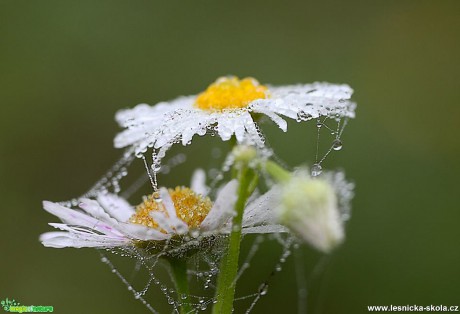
x,y
143,268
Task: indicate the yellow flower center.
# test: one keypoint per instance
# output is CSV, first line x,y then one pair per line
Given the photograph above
x,y
190,207
230,93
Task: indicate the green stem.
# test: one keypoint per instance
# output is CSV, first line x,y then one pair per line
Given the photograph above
x,y
179,270
225,292
277,172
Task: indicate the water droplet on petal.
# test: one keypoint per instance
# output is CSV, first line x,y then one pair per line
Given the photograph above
x,y
303,116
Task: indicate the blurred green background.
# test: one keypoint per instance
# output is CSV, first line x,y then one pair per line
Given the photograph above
x,y
66,67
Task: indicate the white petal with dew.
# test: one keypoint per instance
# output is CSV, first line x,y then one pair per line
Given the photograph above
x,y
116,206
66,239
139,232
73,217
198,184
223,208
261,210
174,222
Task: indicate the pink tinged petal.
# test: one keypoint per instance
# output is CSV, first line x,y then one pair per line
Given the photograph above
x,y
66,239
198,184
223,208
73,217
106,231
93,208
139,232
70,216
115,206
85,237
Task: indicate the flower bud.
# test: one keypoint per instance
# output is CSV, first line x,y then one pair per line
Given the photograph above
x,y
310,209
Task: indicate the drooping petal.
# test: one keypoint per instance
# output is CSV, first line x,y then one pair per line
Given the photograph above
x,y
116,206
95,209
282,124
67,239
261,210
223,208
139,232
73,217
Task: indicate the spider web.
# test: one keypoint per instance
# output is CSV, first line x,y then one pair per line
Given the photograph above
x,y
150,277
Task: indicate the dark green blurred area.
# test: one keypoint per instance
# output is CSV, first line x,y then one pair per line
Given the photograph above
x,y
66,67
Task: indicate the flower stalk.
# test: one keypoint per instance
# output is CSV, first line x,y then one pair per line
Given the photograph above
x,y
179,271
277,172
226,283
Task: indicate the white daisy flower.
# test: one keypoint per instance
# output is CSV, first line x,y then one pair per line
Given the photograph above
x,y
109,221
228,107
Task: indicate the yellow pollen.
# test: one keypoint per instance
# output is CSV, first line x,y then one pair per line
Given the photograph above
x,y
230,93
190,207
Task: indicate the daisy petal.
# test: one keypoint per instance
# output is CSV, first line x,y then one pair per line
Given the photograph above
x,y
174,222
139,232
115,206
223,208
198,184
260,211
265,229
70,216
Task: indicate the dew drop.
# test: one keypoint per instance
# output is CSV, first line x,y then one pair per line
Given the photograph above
x,y
156,166
316,170
263,290
303,116
156,197
337,144
195,233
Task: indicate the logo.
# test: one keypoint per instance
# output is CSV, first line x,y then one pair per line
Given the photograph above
x,y
15,307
